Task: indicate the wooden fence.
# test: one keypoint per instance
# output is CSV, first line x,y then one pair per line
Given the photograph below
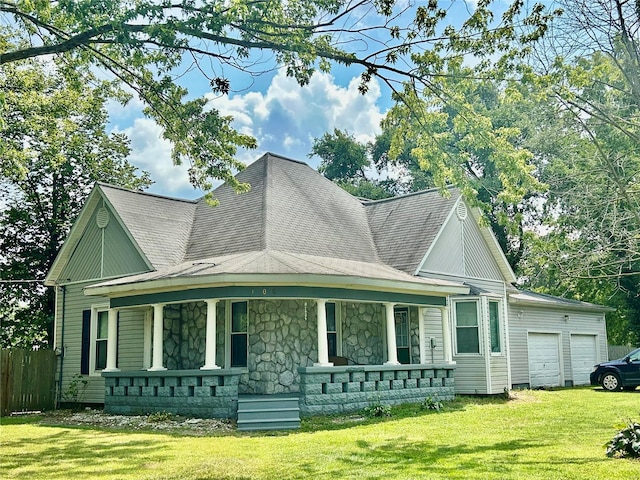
x,y
619,351
27,380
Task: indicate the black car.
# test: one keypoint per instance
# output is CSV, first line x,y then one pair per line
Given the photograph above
x,y
615,375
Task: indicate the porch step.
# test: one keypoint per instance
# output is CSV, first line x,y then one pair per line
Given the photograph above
x,y
268,412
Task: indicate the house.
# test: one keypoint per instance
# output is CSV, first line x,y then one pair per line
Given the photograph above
x,y
300,292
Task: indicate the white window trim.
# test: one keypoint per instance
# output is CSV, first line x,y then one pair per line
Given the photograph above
x,y
227,329
338,329
501,336
479,317
95,309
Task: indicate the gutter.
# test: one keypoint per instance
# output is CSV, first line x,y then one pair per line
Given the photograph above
x,y
64,297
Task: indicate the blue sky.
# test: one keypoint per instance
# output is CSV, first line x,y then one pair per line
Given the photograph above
x,y
282,116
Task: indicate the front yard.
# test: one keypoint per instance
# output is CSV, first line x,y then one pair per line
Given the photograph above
x,y
539,434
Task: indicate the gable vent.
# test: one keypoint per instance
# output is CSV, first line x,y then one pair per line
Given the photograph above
x,y
461,211
102,217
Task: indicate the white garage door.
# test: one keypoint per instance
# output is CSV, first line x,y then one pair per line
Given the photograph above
x,y
583,357
544,359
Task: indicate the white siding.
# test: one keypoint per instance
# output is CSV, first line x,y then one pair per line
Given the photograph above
x,y
130,339
479,261
525,319
493,286
447,254
433,329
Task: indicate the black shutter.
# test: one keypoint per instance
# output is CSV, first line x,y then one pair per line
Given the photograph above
x,y
86,340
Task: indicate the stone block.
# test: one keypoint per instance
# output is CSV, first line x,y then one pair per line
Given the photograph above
x,y
204,391
411,383
340,377
383,385
415,374
388,375
139,382
372,376
441,373
449,382
170,381
310,378
402,374
425,382
190,381
110,382
369,386
210,381
357,376
313,389
119,391
333,388
354,386
183,391
165,391
227,391
155,381
427,374
397,384
149,391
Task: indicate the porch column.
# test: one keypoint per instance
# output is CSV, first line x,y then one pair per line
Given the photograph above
x,y
392,351
421,334
446,335
210,346
158,323
323,344
112,341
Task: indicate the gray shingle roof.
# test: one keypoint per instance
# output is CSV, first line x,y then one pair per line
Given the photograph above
x,y
405,227
159,225
543,299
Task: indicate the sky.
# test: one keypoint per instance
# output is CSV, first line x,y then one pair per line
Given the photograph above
x,y
282,116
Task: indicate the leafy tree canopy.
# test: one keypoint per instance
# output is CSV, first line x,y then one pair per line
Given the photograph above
x,y
144,44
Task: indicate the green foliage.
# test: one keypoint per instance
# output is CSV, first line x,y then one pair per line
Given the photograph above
x,y
626,443
54,148
432,402
158,417
75,389
377,409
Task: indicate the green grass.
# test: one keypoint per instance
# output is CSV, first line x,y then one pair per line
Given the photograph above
x,y
540,435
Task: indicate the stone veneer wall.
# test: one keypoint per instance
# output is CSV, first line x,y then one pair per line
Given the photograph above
x,y
184,335
363,331
282,337
414,334
331,390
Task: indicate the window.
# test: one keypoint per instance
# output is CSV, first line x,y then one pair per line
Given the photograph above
x,y
332,329
401,316
467,339
102,334
494,326
239,337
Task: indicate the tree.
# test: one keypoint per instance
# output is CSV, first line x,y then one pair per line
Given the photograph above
x,y
56,131
147,45
345,161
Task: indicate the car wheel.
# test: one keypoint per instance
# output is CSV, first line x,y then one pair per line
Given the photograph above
x,y
611,382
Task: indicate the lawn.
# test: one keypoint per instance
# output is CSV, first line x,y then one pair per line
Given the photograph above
x,y
539,434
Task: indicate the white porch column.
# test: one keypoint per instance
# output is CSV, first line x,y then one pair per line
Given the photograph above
x,y
392,351
210,346
323,344
421,334
158,323
112,341
446,335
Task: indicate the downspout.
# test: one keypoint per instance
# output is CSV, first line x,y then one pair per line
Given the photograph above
x,y
64,296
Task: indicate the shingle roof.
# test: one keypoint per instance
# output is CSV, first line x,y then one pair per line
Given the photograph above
x,y
405,227
161,226
290,208
543,299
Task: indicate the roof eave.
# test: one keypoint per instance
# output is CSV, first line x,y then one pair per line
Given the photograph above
x,y
536,303
228,279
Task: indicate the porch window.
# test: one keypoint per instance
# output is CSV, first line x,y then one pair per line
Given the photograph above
x,y
401,316
467,339
494,326
239,337
102,334
332,329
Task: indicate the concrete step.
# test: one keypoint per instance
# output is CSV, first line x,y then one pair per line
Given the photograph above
x,y
268,412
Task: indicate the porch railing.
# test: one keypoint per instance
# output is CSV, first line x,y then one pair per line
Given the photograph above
x,y
329,390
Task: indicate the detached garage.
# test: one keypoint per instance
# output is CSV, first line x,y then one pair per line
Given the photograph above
x,y
554,341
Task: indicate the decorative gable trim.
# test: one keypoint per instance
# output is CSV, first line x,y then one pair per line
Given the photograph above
x,y
95,199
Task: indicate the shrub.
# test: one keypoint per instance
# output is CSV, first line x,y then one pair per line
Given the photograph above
x,y
157,417
377,409
626,443
75,390
432,403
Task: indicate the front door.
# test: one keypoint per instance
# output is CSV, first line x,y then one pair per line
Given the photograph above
x,y
402,334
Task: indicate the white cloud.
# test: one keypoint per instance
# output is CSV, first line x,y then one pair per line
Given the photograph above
x,y
285,119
